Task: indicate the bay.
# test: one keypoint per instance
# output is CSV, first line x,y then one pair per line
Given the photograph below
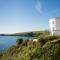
x,y
8,41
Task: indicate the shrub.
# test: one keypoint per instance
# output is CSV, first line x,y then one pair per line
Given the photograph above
x,y
1,55
42,41
24,43
51,37
19,41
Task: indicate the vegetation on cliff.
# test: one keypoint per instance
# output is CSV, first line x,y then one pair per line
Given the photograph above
x,y
45,48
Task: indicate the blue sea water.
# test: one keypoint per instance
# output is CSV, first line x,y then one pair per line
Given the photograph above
x,y
8,41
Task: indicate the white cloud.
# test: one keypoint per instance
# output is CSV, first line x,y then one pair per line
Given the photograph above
x,y
38,6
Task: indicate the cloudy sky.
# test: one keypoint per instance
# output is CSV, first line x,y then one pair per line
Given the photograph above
x,y
27,15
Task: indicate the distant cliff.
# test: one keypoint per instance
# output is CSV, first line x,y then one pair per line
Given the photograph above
x,y
32,34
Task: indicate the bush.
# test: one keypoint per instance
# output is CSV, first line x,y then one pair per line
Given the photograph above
x,y
25,42
51,37
42,41
1,55
19,41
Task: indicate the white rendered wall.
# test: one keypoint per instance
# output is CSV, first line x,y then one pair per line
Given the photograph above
x,y
57,24
54,24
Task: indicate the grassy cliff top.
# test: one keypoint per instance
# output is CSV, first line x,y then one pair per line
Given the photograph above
x,y
45,48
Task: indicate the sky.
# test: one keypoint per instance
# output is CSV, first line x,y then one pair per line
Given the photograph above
x,y
27,15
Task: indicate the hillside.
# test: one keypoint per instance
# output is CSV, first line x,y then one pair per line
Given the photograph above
x,y
32,33
45,48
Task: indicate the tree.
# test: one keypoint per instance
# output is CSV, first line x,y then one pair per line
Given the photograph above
x,y
19,41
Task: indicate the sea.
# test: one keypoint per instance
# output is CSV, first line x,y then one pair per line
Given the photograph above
x,y
8,41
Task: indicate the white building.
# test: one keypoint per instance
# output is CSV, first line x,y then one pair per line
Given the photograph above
x,y
55,25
